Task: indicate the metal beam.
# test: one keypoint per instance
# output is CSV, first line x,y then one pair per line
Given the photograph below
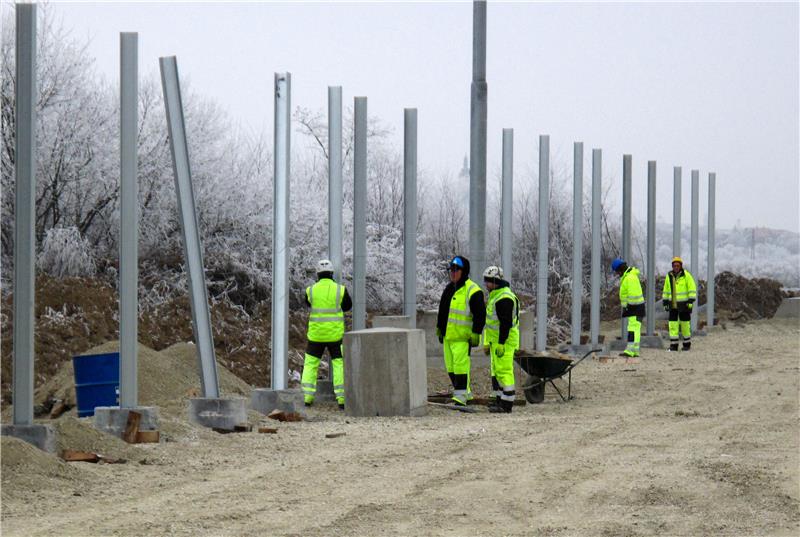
x,y
712,185
577,240
360,215
594,307
627,186
335,184
129,220
651,247
544,243
676,211
410,215
695,259
507,205
477,151
193,250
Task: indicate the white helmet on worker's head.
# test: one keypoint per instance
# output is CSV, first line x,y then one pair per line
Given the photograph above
x,y
324,265
493,274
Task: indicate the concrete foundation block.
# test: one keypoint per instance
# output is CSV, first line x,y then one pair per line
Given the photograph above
x,y
218,413
580,350
427,323
113,419
40,435
527,330
392,321
789,308
645,342
385,373
265,401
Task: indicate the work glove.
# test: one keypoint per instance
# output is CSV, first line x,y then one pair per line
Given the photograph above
x,y
499,350
666,304
439,335
690,304
486,351
474,339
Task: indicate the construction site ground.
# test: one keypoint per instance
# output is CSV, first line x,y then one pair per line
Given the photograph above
x,y
699,443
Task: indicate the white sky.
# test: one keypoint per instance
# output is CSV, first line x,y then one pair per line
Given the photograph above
x,y
707,86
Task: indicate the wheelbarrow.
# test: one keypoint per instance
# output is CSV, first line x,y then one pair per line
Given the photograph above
x,y
545,367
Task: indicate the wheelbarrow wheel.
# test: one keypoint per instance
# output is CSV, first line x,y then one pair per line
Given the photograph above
x,y
534,394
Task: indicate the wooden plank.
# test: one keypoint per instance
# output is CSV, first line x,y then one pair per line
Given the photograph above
x,y
73,455
242,428
276,414
132,427
268,430
334,435
59,408
147,437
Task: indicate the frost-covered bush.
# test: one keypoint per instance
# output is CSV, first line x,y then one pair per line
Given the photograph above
x,y
66,253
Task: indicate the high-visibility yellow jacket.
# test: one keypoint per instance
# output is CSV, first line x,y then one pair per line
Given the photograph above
x,y
459,317
491,332
685,288
326,320
630,289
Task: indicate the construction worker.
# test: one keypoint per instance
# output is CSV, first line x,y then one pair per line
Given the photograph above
x,y
678,297
462,315
631,299
501,337
328,301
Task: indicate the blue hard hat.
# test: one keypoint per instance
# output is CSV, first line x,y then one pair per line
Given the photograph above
x,y
457,262
618,262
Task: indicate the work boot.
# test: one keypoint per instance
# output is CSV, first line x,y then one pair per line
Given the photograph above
x,y
687,346
494,403
673,347
309,403
503,408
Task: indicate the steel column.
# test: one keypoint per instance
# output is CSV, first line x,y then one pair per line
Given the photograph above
x,y
544,243
695,260
627,187
507,204
712,183
410,215
477,151
594,311
360,215
577,240
335,184
650,293
676,211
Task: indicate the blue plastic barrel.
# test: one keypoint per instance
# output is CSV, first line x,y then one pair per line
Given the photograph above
x,y
96,381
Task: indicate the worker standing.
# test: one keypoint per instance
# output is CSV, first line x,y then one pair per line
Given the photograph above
x,y
631,299
501,337
678,297
328,301
462,316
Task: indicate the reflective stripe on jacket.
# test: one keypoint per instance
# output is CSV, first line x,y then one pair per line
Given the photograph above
x,y
326,320
492,330
459,316
685,287
630,289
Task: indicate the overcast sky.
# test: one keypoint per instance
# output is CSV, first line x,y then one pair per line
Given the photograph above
x,y
710,86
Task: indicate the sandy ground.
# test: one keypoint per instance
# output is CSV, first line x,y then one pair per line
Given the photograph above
x,y
699,443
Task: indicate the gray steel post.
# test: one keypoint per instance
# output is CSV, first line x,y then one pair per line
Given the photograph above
x,y
676,211
651,247
129,220
627,187
193,250
25,214
335,184
577,241
280,231
360,215
477,147
695,260
594,311
544,243
507,204
410,215
712,183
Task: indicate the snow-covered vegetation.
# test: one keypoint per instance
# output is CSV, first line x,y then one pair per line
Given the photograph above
x,y
77,194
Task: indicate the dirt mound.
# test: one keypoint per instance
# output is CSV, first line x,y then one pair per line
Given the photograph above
x,y
757,298
80,434
27,468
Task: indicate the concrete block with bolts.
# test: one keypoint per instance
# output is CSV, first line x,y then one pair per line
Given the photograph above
x,y
40,435
266,400
218,413
113,419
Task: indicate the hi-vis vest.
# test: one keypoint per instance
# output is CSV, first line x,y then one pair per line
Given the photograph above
x,y
492,331
630,289
685,288
326,320
459,318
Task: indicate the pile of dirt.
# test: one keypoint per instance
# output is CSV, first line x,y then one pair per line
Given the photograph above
x,y
80,435
26,467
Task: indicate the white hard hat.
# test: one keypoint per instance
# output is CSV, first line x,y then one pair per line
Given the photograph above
x,y
324,265
492,273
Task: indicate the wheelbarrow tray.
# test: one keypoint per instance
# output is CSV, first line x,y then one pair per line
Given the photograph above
x,y
544,367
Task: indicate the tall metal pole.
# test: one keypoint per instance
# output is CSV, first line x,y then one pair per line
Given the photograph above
x,y
24,214
712,184
410,215
594,311
201,319
577,241
280,231
335,184
695,260
129,221
651,247
544,243
477,148
627,187
676,211
507,204
360,215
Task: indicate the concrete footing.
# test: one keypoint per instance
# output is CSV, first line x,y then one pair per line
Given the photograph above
x,y
789,308
40,435
392,321
265,400
218,413
386,373
113,419
580,350
645,342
